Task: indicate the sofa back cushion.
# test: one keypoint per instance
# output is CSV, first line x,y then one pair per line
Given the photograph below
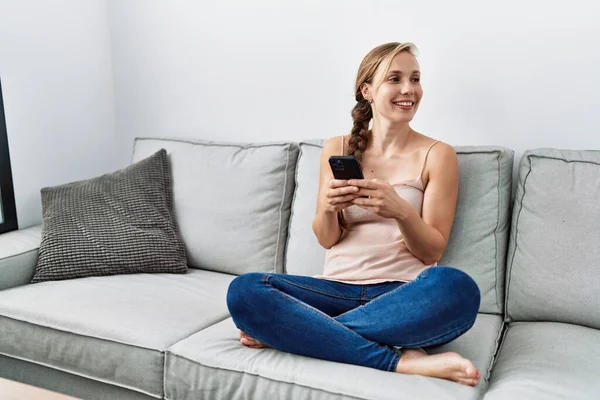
x,y
553,259
479,235
231,201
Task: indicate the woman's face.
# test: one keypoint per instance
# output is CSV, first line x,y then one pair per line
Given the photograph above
x,y
399,95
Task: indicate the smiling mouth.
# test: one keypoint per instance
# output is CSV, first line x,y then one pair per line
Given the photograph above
x,y
404,104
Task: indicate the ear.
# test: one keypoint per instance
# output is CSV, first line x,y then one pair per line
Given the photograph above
x,y
365,89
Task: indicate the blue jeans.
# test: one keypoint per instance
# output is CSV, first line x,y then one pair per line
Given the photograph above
x,y
354,324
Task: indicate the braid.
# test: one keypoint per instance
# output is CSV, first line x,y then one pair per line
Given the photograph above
x,y
359,139
360,134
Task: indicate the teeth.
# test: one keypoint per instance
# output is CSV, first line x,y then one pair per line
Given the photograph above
x,y
404,103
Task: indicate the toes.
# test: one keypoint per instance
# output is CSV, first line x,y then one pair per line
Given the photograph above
x,y
255,344
244,335
470,371
468,381
249,343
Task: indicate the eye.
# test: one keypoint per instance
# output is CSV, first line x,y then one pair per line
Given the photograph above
x,y
394,79
415,79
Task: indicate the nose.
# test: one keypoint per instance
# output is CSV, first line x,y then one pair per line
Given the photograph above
x,y
406,88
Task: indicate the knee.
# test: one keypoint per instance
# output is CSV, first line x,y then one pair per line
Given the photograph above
x,y
459,283
240,292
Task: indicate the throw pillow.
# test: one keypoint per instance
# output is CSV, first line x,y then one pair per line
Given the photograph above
x,y
119,223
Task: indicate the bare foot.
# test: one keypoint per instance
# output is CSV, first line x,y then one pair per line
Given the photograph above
x,y
449,365
250,342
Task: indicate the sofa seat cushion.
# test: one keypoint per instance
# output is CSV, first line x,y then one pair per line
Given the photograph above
x,y
18,256
547,360
113,329
213,364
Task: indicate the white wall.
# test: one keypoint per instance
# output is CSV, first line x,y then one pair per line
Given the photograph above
x,y
518,74
513,73
55,64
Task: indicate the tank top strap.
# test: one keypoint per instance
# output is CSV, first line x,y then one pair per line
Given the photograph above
x,y
425,160
343,145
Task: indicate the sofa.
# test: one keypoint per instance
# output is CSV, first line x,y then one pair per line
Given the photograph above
x,y
249,207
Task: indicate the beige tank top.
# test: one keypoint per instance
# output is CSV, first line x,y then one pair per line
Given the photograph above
x,y
374,250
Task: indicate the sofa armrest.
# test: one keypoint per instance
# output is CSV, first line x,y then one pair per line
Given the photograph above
x,y
18,256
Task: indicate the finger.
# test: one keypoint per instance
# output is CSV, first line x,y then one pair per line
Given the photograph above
x,y
344,199
366,192
364,201
364,183
341,198
336,183
341,191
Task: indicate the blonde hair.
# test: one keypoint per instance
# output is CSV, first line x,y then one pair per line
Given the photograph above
x,y
374,58
362,112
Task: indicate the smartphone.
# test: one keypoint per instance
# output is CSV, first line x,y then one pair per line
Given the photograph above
x,y
345,167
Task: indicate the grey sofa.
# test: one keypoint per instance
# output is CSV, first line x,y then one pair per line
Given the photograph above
x,y
249,207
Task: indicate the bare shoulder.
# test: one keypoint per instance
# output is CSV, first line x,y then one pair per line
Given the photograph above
x,y
442,161
442,164
442,153
439,153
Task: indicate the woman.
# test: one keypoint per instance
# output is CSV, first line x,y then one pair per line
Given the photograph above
x,y
381,300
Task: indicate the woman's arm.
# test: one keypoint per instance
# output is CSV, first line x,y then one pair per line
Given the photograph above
x,y
426,235
333,195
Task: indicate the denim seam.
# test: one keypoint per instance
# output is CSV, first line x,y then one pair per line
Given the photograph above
x,y
421,343
363,293
313,290
318,312
394,362
382,296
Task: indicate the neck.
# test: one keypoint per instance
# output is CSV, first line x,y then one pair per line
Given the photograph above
x,y
389,139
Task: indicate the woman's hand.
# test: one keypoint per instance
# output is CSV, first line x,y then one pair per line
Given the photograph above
x,y
340,195
381,197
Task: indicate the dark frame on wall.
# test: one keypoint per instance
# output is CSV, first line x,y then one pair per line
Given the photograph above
x,y
8,220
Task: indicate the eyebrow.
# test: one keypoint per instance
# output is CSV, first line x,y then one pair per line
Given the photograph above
x,y
416,71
